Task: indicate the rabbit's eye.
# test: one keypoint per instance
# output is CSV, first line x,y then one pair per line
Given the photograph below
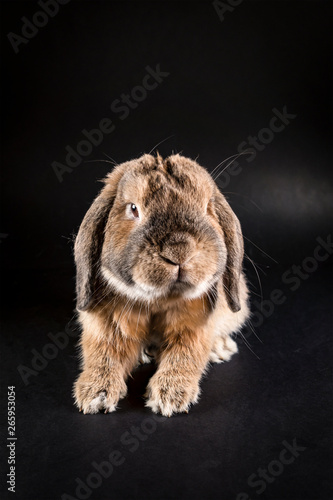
x,y
135,210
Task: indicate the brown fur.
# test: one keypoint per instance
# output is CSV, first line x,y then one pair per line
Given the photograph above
x,y
169,282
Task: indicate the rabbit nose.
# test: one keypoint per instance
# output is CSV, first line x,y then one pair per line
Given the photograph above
x,y
178,249
181,273
177,255
171,261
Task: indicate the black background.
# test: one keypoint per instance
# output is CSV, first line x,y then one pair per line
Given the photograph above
x,y
224,80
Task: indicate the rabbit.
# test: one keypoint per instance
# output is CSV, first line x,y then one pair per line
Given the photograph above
x,y
159,276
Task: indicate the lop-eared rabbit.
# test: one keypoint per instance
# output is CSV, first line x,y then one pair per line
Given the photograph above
x,y
159,275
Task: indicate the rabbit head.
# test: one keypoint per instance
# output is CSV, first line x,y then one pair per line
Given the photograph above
x,y
159,230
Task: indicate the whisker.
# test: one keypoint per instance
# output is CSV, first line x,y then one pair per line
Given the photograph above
x,y
247,344
257,265
243,196
130,310
161,142
253,330
123,310
114,161
223,161
210,301
261,250
253,292
259,281
234,158
103,161
137,323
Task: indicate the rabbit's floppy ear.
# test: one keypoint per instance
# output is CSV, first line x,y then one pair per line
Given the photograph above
x,y
89,241
235,249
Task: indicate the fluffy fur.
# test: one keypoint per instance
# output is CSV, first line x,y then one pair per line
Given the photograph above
x,y
159,275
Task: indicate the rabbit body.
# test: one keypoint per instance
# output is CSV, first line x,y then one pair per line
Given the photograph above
x,y
159,276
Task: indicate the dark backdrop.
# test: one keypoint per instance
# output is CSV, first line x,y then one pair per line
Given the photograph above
x,y
228,70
